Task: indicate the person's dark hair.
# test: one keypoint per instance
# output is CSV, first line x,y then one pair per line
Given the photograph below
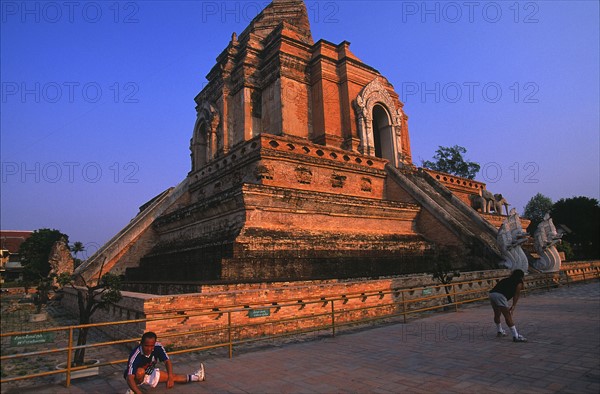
x,y
517,274
148,335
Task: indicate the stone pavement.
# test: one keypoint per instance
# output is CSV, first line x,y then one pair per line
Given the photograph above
x,y
439,353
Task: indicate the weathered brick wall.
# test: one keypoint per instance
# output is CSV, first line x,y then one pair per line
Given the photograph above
x,y
260,295
435,231
275,194
289,300
394,192
288,297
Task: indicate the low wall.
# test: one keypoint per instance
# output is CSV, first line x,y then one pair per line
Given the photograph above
x,y
131,307
17,290
285,300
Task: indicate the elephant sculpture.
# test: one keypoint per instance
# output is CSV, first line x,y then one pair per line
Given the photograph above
x,y
489,198
499,202
478,202
487,202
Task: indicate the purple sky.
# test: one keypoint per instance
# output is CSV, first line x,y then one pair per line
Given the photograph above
x,y
98,110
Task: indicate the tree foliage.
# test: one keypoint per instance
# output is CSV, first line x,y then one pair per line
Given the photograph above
x,y
536,208
42,293
76,249
582,216
566,248
451,161
89,299
35,251
443,271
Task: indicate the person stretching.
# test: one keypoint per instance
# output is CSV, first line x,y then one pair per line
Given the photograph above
x,y
142,370
506,289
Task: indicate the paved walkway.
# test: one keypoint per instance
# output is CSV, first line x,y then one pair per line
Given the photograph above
x,y
441,353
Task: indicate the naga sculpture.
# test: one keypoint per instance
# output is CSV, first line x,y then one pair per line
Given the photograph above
x,y
545,239
510,237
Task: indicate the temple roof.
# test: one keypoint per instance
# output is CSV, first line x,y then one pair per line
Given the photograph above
x,y
293,12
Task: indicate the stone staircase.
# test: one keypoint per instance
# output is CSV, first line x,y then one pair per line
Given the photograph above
x,y
453,213
109,256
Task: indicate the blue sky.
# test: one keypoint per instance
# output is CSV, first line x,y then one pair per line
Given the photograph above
x,y
97,102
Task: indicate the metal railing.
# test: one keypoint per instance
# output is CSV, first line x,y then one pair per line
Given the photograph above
x,y
333,315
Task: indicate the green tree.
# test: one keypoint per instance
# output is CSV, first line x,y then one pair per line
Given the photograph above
x,y
42,293
582,216
35,251
536,208
89,299
451,161
566,248
77,248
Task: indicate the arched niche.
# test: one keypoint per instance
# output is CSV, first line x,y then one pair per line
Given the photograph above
x,y
379,123
383,140
204,143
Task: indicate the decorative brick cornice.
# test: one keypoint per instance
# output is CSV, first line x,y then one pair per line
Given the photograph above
x,y
456,182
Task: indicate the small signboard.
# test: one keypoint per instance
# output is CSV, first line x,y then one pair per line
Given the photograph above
x,y
259,312
32,339
427,292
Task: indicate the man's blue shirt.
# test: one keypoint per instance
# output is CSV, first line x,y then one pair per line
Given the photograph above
x,y
137,359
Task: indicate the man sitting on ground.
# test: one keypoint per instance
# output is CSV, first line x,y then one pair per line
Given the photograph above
x,y
142,370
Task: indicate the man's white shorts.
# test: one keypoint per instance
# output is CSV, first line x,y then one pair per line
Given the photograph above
x,y
498,299
152,379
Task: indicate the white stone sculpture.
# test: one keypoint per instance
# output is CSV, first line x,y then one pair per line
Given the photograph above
x,y
500,202
478,202
545,239
490,200
510,237
505,243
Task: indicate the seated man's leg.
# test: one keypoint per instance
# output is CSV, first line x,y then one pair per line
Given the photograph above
x,y
198,376
164,376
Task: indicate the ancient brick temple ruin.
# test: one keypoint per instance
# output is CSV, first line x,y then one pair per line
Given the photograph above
x,y
300,169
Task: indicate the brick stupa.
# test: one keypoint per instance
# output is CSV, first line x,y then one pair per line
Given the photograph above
x,y
300,169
